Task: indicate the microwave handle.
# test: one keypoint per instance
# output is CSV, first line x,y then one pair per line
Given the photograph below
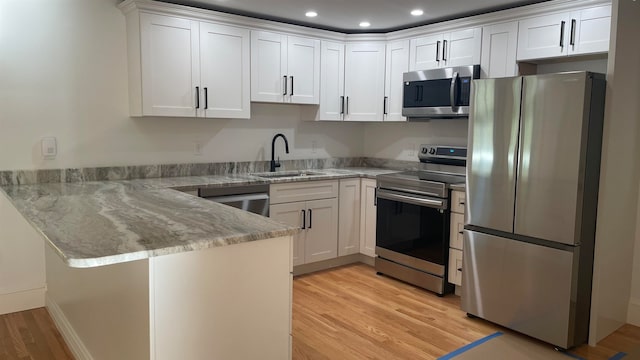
x,y
453,92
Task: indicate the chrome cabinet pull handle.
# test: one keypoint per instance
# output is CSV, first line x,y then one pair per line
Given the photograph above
x,y
444,50
285,85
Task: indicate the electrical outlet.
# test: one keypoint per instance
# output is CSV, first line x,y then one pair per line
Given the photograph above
x,y
314,146
197,148
49,148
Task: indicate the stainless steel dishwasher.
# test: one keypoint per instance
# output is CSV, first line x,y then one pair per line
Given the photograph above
x,y
252,198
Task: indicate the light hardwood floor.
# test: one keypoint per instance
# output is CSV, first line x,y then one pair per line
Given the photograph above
x,y
352,313
340,314
31,335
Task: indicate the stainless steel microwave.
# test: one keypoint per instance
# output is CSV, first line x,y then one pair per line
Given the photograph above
x,y
438,93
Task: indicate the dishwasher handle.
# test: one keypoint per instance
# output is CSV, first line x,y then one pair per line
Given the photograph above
x,y
233,198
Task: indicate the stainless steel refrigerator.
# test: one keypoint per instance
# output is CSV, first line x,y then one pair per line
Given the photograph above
x,y
532,191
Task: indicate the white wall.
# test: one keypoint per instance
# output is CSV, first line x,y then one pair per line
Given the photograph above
x,y
400,141
63,73
620,173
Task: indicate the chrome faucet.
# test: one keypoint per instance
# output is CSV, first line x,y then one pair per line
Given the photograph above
x,y
276,164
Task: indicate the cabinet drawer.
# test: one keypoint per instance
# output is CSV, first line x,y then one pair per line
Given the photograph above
x,y
303,191
455,266
458,199
456,231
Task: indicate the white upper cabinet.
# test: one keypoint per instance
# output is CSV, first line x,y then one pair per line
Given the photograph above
x,y
499,47
284,68
456,48
364,81
462,47
397,63
224,71
569,33
332,81
426,52
591,30
169,57
187,68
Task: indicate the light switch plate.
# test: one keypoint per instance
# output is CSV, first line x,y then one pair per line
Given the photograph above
x,y
49,148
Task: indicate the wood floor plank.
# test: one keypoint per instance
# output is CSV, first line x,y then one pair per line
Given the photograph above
x,y
352,313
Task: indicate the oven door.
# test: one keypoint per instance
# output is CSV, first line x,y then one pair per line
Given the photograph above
x,y
413,230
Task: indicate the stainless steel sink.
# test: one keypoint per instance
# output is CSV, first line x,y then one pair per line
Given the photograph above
x,y
287,174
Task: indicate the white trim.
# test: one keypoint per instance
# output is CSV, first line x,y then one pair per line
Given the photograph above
x,y
22,300
70,336
633,312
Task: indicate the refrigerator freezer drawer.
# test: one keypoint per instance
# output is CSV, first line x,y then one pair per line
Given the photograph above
x,y
522,286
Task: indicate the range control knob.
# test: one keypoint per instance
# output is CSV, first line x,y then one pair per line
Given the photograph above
x,y
432,151
424,150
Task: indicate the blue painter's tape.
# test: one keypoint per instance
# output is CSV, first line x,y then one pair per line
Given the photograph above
x,y
451,355
618,356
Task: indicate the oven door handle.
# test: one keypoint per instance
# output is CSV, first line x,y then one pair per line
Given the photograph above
x,y
411,199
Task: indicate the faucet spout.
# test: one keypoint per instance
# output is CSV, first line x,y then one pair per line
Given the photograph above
x,y
276,164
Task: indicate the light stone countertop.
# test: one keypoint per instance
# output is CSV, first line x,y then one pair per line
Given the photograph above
x,y
107,222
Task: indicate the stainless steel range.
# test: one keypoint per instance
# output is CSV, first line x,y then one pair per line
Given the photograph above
x,y
412,231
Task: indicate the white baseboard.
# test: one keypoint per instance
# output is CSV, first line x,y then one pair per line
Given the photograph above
x,y
22,300
70,336
633,313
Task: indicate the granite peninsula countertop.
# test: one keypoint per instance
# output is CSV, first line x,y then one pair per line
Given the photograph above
x,y
107,222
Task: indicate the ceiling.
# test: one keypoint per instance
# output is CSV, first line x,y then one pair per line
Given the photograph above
x,y
346,15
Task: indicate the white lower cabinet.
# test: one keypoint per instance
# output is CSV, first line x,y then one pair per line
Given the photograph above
x,y
456,236
368,217
349,222
314,210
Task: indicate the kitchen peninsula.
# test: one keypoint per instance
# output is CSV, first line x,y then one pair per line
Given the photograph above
x,y
136,271
139,269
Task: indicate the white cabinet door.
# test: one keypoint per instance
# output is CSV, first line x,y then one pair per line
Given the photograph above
x,y
590,30
268,66
462,48
455,267
321,242
169,65
456,233
368,217
303,60
426,52
224,71
499,47
364,82
349,222
292,214
544,37
332,81
397,63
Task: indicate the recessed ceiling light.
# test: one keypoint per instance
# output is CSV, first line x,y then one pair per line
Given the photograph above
x,y
417,12
365,24
311,13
